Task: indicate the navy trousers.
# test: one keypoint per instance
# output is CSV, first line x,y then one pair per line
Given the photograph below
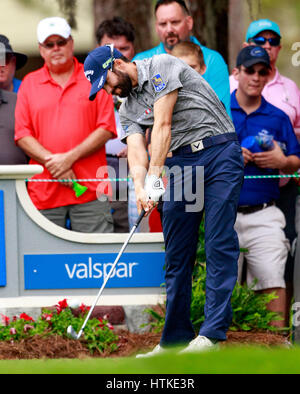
x,y
223,178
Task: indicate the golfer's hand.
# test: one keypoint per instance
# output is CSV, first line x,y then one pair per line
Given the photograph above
x,y
142,201
154,187
59,163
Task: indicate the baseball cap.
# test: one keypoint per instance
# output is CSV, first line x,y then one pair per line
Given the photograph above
x,y
96,66
53,26
260,25
21,58
251,55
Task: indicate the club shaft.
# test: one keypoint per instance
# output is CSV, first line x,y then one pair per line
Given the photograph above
x,y
110,272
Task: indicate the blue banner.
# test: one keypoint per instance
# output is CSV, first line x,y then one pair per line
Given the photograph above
x,y
2,242
85,271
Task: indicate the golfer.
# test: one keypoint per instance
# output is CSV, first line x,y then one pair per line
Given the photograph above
x,y
190,124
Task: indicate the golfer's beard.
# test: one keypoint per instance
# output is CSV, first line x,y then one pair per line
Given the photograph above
x,y
124,85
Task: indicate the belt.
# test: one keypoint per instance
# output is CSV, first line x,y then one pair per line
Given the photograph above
x,y
246,209
205,143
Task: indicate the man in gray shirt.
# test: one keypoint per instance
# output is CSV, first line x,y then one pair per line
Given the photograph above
x,y
10,153
190,124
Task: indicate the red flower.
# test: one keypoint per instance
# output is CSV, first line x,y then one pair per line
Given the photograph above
x,y
28,327
47,316
101,322
61,306
12,331
5,320
83,308
24,316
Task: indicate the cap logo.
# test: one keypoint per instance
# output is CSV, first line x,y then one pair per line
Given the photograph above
x,y
257,52
107,63
265,23
100,82
88,74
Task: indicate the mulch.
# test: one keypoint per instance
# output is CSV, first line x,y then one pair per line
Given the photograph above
x,y
129,344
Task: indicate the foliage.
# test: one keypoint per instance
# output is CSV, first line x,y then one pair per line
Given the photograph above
x,y
249,308
98,333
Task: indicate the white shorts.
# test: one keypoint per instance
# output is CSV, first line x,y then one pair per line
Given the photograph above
x,y
261,233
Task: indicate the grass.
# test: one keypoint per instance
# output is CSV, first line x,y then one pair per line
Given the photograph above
x,y
234,360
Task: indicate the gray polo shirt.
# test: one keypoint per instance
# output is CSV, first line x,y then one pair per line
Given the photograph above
x,y
9,152
198,113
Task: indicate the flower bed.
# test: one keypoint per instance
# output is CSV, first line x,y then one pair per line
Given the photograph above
x,y
99,335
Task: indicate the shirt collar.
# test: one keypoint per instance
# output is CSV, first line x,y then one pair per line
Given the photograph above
x,y
235,105
276,80
46,77
142,75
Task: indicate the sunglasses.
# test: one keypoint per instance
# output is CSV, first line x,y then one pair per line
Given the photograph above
x,y
251,71
274,41
60,43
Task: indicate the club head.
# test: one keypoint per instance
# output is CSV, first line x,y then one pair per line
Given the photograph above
x,y
71,332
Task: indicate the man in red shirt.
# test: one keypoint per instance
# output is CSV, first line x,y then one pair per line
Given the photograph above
x,y
58,127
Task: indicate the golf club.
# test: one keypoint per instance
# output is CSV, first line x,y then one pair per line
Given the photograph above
x,y
71,332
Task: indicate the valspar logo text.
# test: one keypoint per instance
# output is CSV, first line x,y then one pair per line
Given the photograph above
x,y
95,270
89,270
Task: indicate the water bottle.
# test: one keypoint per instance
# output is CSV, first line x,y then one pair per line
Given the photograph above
x,y
251,144
265,141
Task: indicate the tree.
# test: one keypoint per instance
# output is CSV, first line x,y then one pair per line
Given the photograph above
x,y
139,13
211,23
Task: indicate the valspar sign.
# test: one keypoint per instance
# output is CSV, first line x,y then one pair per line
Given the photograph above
x,y
81,271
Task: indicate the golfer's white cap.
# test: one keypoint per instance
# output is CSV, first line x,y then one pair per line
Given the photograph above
x,y
53,26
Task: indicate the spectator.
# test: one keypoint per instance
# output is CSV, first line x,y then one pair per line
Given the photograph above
x,y
191,54
284,94
121,34
175,24
9,153
13,61
279,90
58,127
269,144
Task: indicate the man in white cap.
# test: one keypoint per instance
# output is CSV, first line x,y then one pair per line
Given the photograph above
x,y
58,127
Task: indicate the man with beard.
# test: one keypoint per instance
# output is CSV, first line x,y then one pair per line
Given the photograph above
x,y
190,123
173,23
60,129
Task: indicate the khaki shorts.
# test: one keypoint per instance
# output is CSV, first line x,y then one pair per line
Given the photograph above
x,y
91,217
261,233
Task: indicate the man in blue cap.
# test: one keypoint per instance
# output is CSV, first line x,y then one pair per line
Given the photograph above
x,y
269,145
190,124
279,90
284,94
